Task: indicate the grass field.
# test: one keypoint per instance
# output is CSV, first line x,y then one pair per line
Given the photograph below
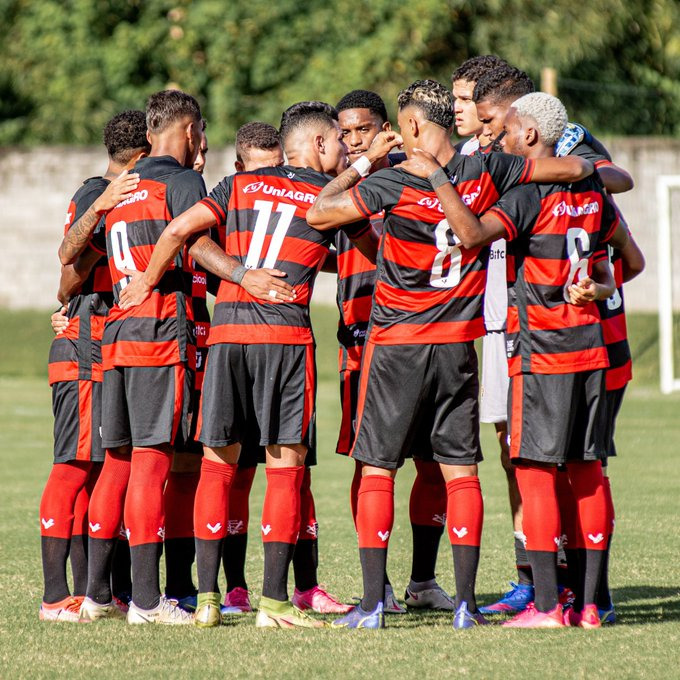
x,y
645,570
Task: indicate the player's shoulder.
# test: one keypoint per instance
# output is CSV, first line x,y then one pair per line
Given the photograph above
x,y
397,177
91,187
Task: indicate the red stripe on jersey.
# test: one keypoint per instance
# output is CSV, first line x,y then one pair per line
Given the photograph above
x,y
215,209
528,171
619,377
256,334
510,228
563,316
62,371
349,358
357,309
231,292
137,353
295,250
433,333
359,202
602,163
561,210
570,362
84,446
420,301
353,262
614,329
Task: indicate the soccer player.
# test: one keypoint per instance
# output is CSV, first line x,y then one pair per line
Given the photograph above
x,y
555,348
362,115
427,311
75,374
261,363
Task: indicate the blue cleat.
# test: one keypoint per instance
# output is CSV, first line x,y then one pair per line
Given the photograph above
x,y
607,616
512,602
188,603
464,618
358,618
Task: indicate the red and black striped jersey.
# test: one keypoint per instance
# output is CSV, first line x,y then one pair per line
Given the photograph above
x,y
75,354
159,332
553,231
614,330
261,222
429,287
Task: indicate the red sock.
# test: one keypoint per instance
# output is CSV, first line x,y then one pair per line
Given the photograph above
x,y
540,510
83,501
354,491
179,495
571,528
588,487
105,512
239,500
427,505
464,511
281,509
375,511
211,507
58,501
309,527
144,508
611,515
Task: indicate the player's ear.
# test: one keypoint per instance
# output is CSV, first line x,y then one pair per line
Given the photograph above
x,y
531,136
387,126
320,144
239,166
414,127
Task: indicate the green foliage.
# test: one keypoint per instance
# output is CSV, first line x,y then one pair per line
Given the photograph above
x,y
68,65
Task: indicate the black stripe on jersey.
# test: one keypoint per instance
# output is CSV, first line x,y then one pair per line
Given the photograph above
x,y
247,313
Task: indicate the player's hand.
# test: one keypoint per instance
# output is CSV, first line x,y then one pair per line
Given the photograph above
x,y
118,190
59,320
583,292
421,164
136,291
266,284
382,144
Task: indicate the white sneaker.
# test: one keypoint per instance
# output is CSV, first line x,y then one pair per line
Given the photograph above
x,y
167,612
93,611
429,598
391,604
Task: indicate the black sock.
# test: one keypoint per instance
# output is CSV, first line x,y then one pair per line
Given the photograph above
x,y
120,570
373,561
465,561
208,558
524,577
179,556
277,558
306,563
234,560
604,598
100,553
54,556
563,576
575,571
78,559
594,560
544,570
145,560
425,549
387,580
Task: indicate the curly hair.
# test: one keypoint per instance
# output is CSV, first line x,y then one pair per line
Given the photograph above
x,y
125,135
432,98
364,99
304,114
474,68
256,135
548,113
165,107
502,84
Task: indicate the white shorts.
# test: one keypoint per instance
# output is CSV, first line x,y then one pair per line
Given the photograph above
x,y
493,403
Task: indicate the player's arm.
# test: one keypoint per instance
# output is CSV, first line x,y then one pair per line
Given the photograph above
x,y
74,275
334,206
561,170
616,179
80,232
632,259
599,285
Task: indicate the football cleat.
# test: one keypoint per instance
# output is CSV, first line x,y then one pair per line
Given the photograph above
x,y
358,618
390,603
532,618
275,614
589,617
430,598
237,601
65,610
464,618
187,603
607,616
512,602
317,599
208,613
566,596
93,611
167,612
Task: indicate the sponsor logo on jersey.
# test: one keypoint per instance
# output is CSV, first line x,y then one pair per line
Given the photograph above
x,y
137,196
431,203
262,188
469,199
562,208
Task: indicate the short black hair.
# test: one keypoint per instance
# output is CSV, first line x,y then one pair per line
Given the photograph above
x,y
502,84
474,68
256,135
165,107
306,113
432,98
124,135
364,99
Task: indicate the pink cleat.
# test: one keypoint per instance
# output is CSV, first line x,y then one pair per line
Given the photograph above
x,y
532,618
589,617
318,600
236,601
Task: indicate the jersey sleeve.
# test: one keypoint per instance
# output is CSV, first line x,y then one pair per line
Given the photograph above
x,y
517,209
610,220
507,170
217,201
377,192
594,151
98,240
185,190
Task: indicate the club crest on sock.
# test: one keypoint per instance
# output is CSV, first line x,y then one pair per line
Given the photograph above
x,y
383,535
94,528
460,533
214,529
47,523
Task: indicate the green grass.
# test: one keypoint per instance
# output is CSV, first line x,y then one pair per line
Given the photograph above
x,y
645,568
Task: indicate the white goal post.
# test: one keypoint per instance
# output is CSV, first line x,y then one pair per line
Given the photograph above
x,y
664,185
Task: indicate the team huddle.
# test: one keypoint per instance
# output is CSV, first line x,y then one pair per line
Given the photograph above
x,y
162,413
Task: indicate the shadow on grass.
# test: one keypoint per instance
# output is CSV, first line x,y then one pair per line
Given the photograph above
x,y
646,604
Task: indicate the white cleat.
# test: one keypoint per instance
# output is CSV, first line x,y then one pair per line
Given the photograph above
x,y
167,612
93,611
391,604
430,598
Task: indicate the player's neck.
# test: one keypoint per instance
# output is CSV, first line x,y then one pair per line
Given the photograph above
x,y
302,158
114,170
439,145
170,145
540,151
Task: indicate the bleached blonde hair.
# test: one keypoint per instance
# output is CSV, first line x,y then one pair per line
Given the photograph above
x,y
548,113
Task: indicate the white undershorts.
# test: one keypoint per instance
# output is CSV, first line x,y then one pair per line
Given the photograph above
x,y
493,403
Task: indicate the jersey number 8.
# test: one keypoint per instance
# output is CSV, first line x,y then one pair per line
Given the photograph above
x,y
446,266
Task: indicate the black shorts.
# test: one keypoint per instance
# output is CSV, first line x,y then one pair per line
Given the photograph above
x,y
271,385
192,445
77,408
147,406
557,418
418,398
349,395
614,398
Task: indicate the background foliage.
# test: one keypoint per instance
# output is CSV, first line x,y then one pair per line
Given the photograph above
x,y
66,66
